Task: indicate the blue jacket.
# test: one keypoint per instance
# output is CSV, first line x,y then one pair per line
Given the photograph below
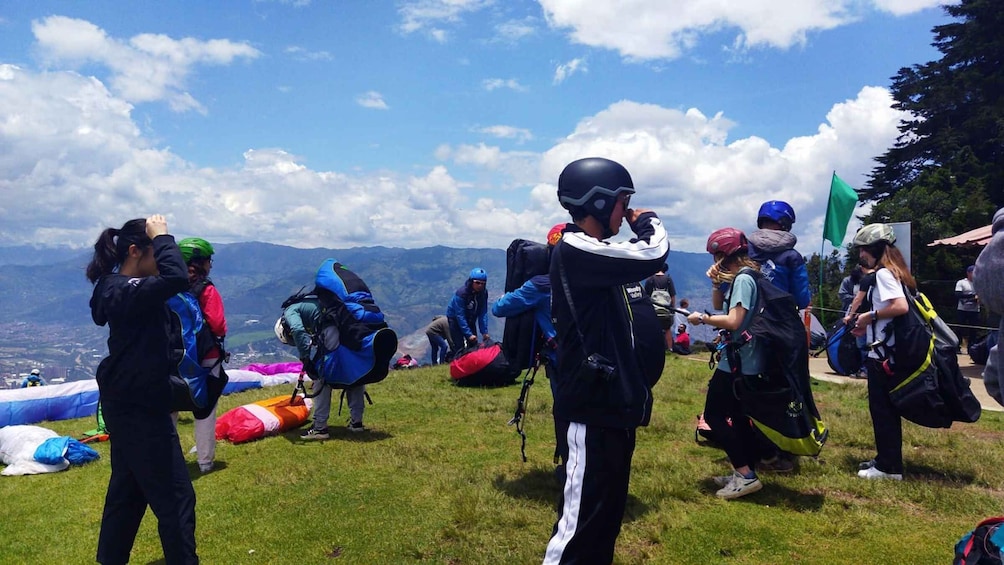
x,y
780,263
613,318
535,296
469,308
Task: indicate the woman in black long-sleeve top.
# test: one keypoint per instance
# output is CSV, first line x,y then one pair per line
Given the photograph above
x,y
135,269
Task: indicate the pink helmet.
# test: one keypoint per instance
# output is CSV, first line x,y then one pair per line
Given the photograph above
x,y
727,240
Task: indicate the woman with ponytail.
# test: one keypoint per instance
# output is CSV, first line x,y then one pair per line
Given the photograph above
x,y
135,269
729,248
876,245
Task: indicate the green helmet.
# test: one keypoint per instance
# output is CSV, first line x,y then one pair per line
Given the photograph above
x,y
874,233
195,248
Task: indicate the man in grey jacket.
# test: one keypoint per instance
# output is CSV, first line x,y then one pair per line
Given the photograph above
x,y
988,281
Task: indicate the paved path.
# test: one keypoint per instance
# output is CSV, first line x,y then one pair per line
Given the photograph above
x,y
820,369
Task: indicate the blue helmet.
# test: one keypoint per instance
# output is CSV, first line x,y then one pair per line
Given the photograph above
x,y
778,211
478,274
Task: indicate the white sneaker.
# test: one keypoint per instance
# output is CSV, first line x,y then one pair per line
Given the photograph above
x,y
739,486
875,473
721,480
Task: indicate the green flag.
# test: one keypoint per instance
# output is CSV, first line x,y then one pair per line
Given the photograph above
x,y
839,210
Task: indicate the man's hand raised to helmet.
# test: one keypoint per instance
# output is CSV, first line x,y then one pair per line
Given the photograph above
x,y
632,214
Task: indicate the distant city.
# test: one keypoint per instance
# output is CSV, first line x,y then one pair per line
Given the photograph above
x,y
64,353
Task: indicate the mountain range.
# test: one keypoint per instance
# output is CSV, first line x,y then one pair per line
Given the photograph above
x,y
47,286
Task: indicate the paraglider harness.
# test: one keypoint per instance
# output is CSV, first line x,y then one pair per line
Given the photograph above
x,y
524,392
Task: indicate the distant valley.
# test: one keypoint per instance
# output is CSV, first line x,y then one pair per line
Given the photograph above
x,y
45,318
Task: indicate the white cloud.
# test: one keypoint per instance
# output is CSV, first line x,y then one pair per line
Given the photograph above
x,y
685,167
665,29
372,99
75,161
147,68
491,84
904,7
507,132
426,15
568,69
514,30
303,54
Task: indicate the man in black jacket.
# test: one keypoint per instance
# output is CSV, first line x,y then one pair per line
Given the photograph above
x,y
610,353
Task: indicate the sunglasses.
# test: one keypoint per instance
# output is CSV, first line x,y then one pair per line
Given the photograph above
x,y
478,282
626,200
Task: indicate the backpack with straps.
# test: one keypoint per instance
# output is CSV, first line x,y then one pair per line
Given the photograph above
x,y
779,401
982,546
346,303
926,385
524,260
193,387
365,343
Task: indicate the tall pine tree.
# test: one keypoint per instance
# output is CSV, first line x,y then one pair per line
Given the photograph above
x,y
945,173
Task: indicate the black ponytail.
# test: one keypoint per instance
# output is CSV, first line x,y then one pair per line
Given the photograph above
x,y
112,247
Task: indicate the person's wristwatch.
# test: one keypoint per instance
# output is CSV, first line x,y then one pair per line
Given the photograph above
x,y
700,318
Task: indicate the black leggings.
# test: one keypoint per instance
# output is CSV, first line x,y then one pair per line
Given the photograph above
x,y
721,405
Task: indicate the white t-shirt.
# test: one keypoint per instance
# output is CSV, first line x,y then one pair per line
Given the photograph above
x,y
883,292
967,304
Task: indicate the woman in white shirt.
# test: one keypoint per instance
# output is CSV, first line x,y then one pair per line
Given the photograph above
x,y
877,249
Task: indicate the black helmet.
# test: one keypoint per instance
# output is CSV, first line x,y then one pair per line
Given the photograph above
x,y
592,186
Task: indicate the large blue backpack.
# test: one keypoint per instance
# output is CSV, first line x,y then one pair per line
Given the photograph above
x,y
193,388
366,343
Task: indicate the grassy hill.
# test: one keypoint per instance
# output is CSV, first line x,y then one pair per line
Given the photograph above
x,y
439,479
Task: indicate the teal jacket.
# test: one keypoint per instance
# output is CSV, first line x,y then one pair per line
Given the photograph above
x,y
304,319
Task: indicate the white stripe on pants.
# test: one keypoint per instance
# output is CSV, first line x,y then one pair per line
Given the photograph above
x,y
575,468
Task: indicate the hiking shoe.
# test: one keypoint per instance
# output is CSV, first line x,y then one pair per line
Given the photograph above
x,y
866,465
356,427
313,434
875,473
739,485
776,464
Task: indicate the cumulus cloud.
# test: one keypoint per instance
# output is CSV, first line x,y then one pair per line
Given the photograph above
x,y
302,54
146,68
74,161
665,29
372,99
491,84
507,132
685,166
568,69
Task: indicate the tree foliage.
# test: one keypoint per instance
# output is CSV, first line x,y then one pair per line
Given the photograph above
x,y
945,173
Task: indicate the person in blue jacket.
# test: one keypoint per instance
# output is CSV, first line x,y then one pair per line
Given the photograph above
x,y
468,310
34,379
611,352
135,270
773,246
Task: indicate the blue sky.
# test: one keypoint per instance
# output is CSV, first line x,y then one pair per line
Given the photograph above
x,y
437,122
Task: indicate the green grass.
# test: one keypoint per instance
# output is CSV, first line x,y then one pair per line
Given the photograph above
x,y
439,479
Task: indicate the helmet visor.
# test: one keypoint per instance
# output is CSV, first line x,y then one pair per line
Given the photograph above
x,y
594,192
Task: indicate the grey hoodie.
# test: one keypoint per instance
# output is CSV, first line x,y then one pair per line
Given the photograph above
x,y
988,281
